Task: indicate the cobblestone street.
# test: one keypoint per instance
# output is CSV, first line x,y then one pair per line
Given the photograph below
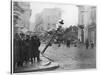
x,y
71,58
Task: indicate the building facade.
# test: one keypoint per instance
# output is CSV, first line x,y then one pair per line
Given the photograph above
x,y
47,19
87,20
92,26
21,16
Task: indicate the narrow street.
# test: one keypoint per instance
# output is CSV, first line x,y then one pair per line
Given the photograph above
x,y
71,58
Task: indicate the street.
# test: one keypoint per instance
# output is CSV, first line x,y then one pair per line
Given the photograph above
x,y
52,36
71,58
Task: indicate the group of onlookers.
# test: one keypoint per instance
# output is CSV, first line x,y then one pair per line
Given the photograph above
x,y
25,49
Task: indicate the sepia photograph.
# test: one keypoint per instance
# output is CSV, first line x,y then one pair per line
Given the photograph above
x,y
49,36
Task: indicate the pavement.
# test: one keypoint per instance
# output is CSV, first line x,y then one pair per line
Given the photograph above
x,y
44,65
62,58
71,58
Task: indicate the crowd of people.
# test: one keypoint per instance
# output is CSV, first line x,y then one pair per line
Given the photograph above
x,y
26,49
75,43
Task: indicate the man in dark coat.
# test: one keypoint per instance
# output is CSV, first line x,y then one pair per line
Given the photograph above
x,y
29,46
32,50
36,48
87,44
68,43
16,50
19,51
22,49
26,49
92,44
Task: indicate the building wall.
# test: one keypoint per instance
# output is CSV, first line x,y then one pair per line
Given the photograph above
x,y
92,26
48,18
92,34
23,12
87,17
84,19
51,16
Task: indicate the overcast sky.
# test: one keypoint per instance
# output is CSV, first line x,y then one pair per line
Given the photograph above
x,y
69,12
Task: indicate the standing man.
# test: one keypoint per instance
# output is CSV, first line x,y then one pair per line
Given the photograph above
x,y
36,48
21,48
32,44
87,44
30,48
16,50
92,44
68,43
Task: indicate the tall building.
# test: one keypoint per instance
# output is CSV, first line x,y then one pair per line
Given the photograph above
x,y
87,17
83,22
21,15
92,26
47,19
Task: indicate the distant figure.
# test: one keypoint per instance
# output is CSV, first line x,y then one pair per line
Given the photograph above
x,y
58,41
68,43
75,43
92,44
87,44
